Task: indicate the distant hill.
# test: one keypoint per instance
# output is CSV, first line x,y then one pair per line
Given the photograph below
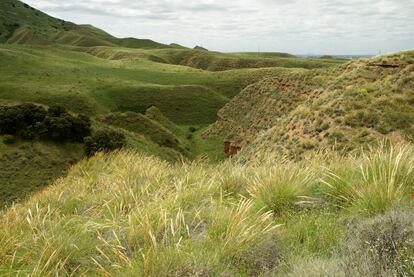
x,y
200,48
23,24
346,107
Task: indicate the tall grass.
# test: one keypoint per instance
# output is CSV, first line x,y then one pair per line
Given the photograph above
x,y
127,214
282,188
378,180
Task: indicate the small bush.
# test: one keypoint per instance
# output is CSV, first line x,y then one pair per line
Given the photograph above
x,y
192,129
381,246
104,141
9,139
30,121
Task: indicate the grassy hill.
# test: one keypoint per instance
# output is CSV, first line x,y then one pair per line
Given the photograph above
x,y
99,81
129,214
30,166
215,61
344,107
22,24
169,203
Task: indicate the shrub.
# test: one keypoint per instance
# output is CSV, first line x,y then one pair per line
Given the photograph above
x,y
104,141
381,246
192,129
9,139
30,121
56,110
16,118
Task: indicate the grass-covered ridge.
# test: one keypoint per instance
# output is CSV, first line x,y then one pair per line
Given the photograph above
x,y
22,24
343,107
86,84
127,213
185,99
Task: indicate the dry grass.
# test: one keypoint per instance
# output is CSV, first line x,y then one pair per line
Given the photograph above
x,y
129,214
378,180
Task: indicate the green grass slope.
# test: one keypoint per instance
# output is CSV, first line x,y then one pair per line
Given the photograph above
x,y
155,114
129,214
22,24
343,107
98,81
92,85
29,166
215,61
141,124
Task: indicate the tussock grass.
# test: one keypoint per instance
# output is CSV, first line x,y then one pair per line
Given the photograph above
x,y
127,214
379,180
282,188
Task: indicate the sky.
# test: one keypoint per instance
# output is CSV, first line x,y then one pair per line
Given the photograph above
x,y
338,27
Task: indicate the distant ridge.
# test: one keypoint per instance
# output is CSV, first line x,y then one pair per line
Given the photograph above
x,y
200,48
352,57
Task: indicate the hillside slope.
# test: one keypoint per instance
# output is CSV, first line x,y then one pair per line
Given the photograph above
x,y
22,24
127,214
186,101
345,107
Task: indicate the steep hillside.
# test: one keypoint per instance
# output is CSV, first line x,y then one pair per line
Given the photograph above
x,y
128,214
22,24
343,107
29,166
141,124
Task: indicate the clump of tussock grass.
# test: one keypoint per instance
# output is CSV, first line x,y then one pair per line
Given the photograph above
x,y
126,213
282,188
374,182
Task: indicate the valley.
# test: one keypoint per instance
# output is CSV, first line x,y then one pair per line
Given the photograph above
x,y
131,157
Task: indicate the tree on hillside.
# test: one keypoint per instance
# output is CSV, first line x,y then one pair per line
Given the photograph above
x,y
31,121
104,141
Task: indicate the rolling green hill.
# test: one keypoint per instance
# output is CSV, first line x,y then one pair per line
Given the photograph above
x,y
98,81
323,184
22,24
345,107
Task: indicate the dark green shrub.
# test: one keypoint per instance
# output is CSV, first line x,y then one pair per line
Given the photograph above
x,y
30,121
9,139
104,141
56,110
192,129
16,118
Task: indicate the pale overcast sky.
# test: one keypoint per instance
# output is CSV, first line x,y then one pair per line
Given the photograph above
x,y
294,26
